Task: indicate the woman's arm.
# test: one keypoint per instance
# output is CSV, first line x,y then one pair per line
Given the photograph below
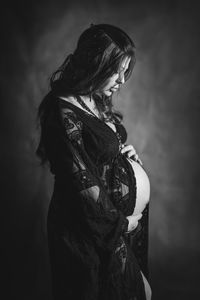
x,y
104,223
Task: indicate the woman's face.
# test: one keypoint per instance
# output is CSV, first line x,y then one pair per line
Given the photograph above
x,y
113,83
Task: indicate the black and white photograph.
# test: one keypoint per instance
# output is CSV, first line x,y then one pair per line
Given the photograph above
x,y
100,146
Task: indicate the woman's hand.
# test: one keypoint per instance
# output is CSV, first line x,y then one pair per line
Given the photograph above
x,y
133,221
130,151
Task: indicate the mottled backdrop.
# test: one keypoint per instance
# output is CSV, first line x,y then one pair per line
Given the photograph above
x,y
161,109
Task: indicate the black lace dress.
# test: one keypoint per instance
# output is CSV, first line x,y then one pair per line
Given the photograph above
x,y
91,254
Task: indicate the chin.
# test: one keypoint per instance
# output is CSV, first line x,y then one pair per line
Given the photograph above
x,y
107,93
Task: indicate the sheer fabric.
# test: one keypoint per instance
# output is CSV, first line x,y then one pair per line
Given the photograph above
x,y
92,256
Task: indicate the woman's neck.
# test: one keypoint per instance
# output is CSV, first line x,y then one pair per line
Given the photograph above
x,y
84,102
90,103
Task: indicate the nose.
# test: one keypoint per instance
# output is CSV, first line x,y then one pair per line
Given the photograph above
x,y
120,79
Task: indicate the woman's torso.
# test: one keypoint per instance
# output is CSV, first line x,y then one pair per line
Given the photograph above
x,y
141,177
142,182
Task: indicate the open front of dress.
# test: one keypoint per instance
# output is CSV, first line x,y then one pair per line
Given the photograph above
x,y
91,254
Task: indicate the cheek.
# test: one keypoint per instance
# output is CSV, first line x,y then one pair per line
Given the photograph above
x,y
111,81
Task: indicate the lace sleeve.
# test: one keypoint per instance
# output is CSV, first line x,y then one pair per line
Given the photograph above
x,y
103,223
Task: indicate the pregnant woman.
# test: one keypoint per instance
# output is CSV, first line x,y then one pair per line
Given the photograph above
x,y
98,215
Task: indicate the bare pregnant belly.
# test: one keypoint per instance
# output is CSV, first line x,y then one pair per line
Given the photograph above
x,y
143,187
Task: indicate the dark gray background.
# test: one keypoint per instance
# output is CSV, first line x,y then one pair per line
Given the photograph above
x,y
160,104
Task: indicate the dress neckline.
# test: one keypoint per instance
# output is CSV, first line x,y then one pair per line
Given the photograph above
x,y
85,106
116,134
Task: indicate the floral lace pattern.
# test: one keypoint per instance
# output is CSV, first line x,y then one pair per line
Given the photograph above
x,y
94,192
120,189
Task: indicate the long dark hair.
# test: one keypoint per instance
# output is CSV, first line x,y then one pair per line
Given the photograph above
x,y
99,53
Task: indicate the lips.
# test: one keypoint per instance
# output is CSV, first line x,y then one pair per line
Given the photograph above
x,y
114,89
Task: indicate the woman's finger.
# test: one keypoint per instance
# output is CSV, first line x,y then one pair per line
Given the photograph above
x,y
132,153
128,148
135,156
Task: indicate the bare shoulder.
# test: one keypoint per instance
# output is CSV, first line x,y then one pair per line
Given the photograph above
x,y
65,109
73,100
70,99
